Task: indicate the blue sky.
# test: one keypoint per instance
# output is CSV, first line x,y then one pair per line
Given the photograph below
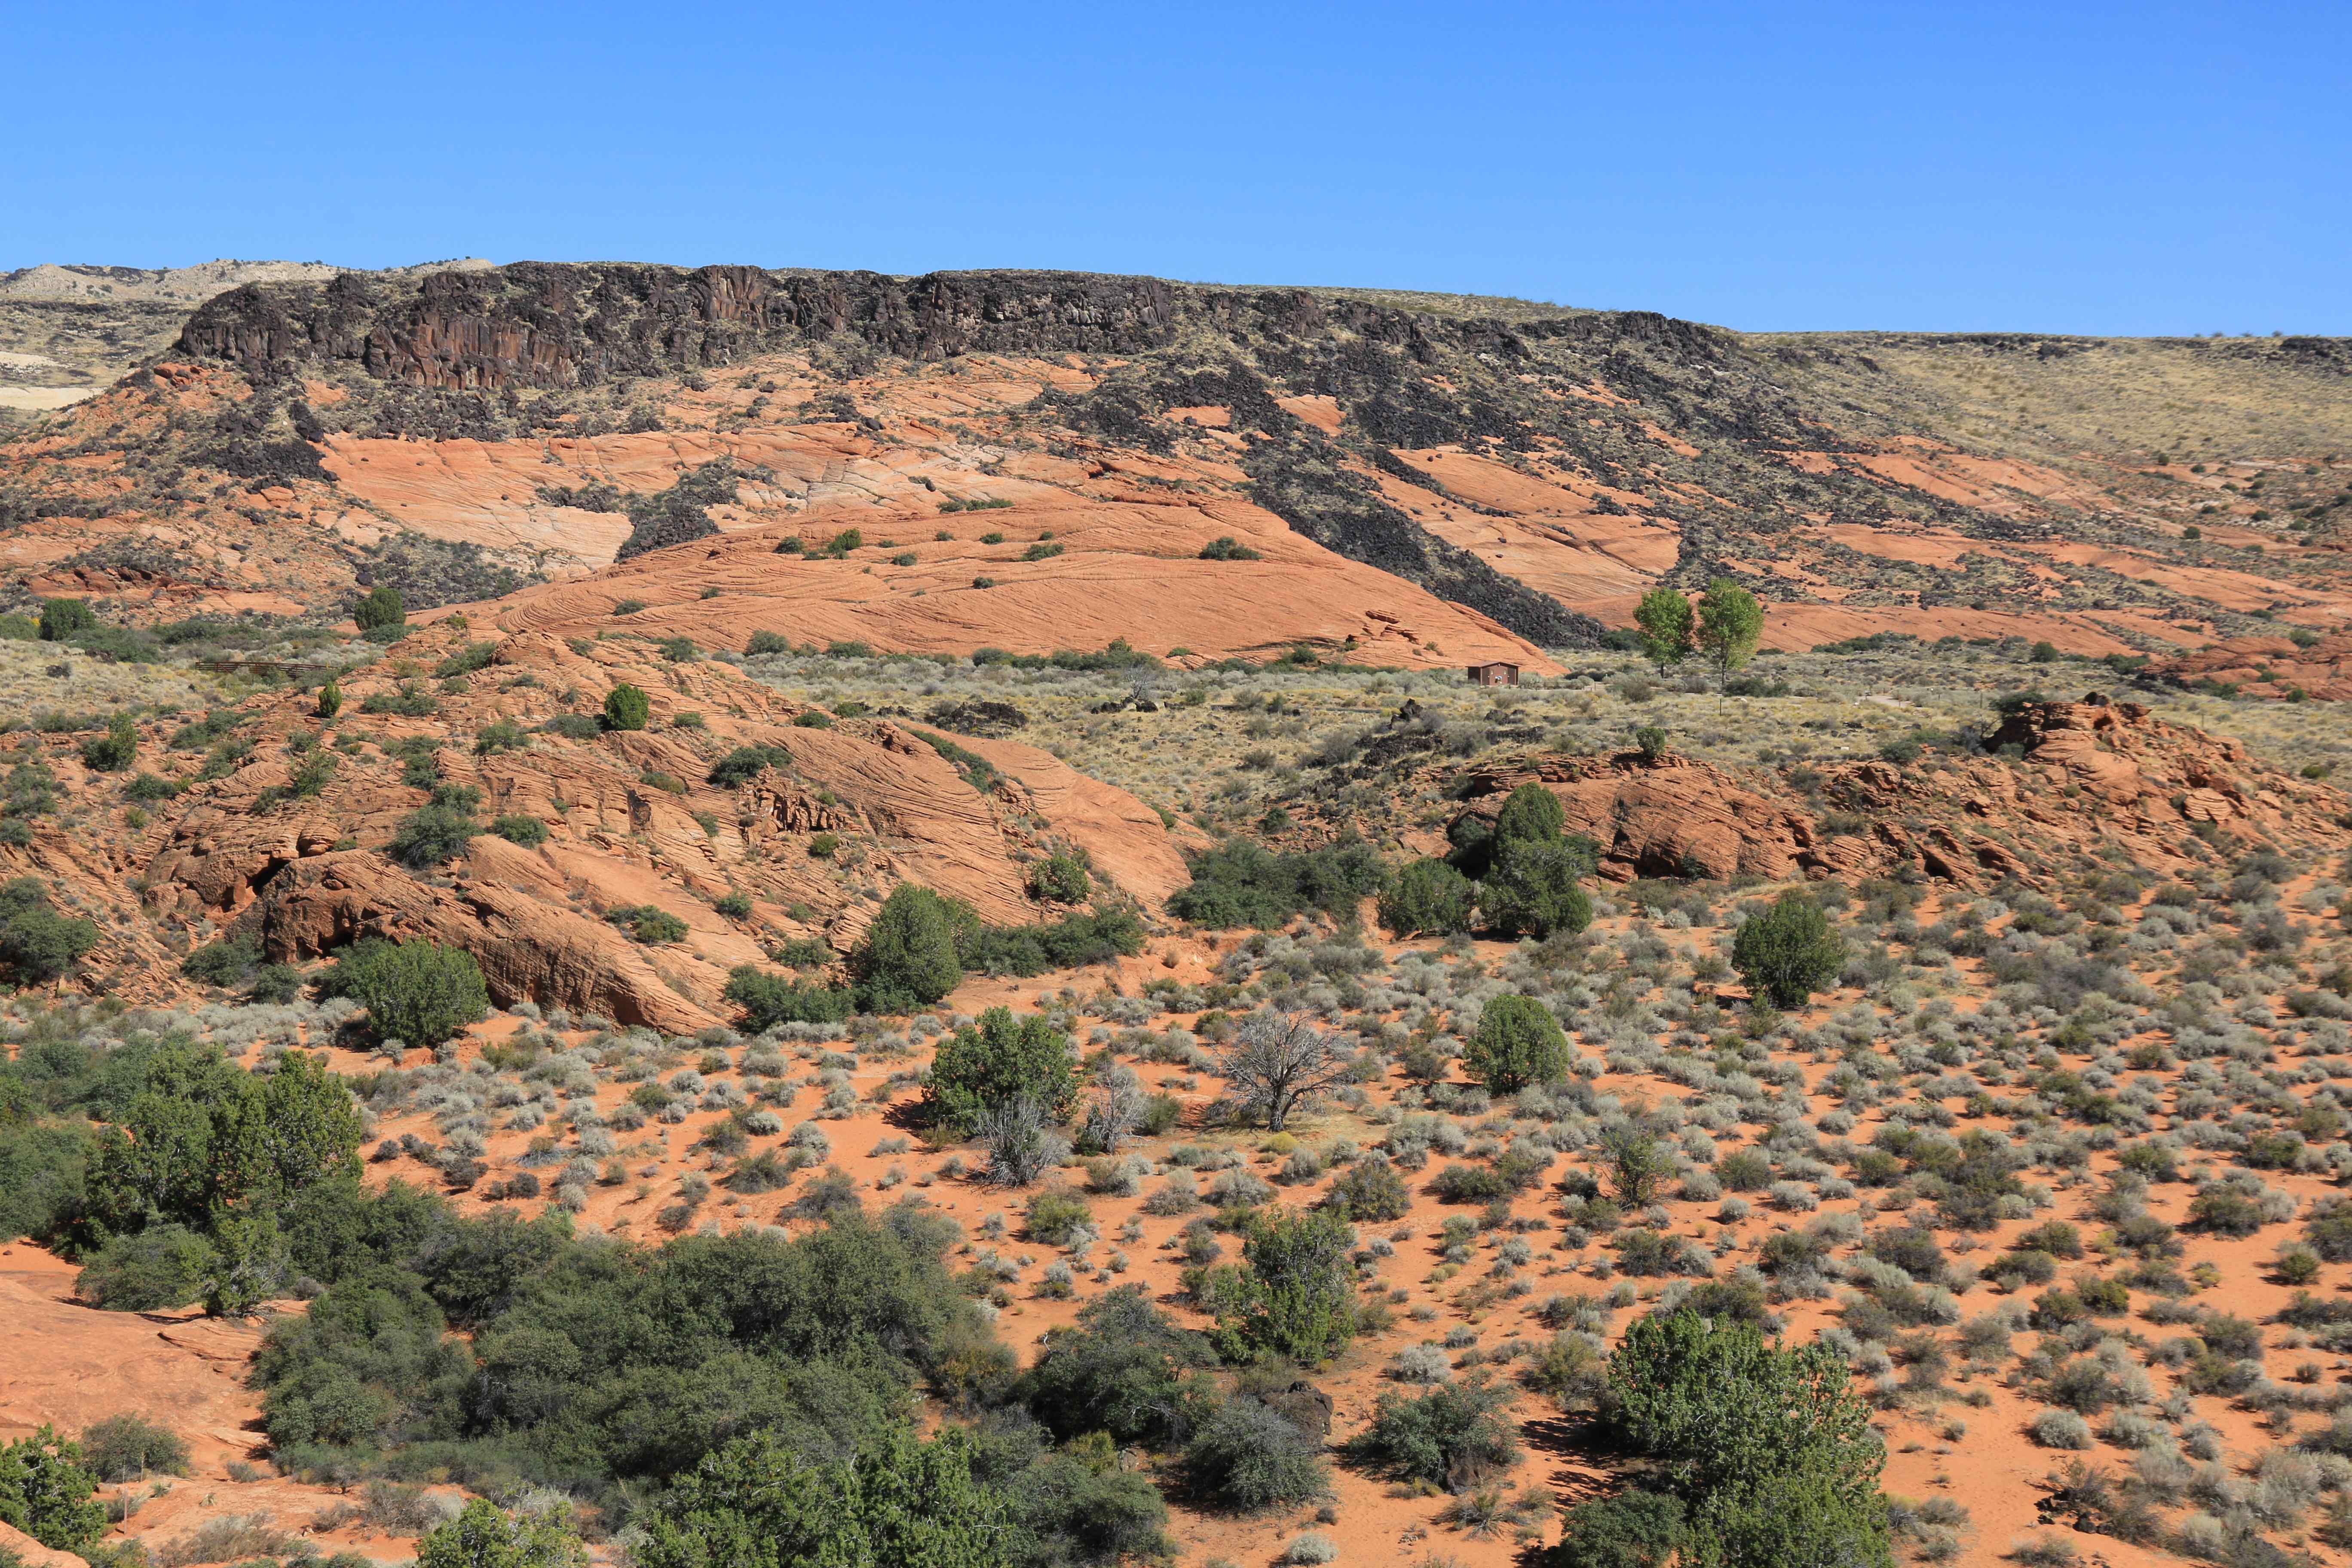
x,y
2055,167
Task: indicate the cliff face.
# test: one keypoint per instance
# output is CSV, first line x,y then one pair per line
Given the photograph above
x,y
543,325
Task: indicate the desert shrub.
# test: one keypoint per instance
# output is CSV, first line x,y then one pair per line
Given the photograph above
x,y
2060,1429
38,943
1123,1368
1430,898
1517,1042
153,1269
1054,1216
1226,547
420,992
1021,1140
744,764
627,707
431,835
768,999
484,1535
114,750
380,609
1788,951
996,1060
518,827
1060,878
62,618
129,1448
1248,1456
1455,1436
1239,883
1370,1190
2328,1228
758,1503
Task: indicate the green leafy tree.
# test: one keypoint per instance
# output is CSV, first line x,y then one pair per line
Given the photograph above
x,y
909,958
900,1503
1788,951
1767,1448
1123,1368
627,707
1429,897
1730,624
331,700
1531,815
1517,1042
380,609
1295,1298
999,1059
1533,887
1666,624
485,1536
61,618
36,942
45,1491
420,992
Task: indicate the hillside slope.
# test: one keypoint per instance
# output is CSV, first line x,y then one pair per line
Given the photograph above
x,y
463,432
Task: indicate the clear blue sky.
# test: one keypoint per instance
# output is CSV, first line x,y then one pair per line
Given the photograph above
x,y
2055,167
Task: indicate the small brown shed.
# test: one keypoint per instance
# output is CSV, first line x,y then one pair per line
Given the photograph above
x,y
1498,673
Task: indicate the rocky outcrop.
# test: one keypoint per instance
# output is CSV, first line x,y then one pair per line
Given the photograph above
x,y
537,324
632,819
1673,817
2066,780
529,949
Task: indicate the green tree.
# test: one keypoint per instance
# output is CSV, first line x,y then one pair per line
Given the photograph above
x,y
1533,887
46,1492
1123,1368
627,707
1295,1299
1666,623
1767,1449
1531,815
380,609
331,700
419,991
909,958
1730,624
1429,897
115,751
1788,951
1517,1042
485,1536
61,618
36,942
900,1503
997,1060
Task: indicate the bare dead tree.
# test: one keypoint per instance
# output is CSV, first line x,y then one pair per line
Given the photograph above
x,y
1277,1060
